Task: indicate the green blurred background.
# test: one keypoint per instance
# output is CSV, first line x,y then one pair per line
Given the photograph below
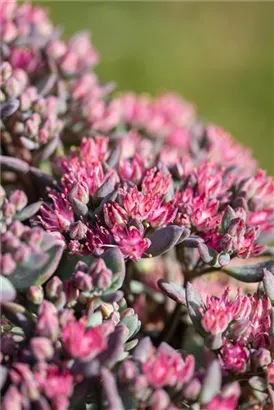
x,y
218,55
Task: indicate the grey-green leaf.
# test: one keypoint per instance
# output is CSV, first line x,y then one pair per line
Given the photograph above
x,y
250,273
7,290
163,239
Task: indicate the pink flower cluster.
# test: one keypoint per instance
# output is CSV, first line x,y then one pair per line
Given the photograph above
x,y
199,203
244,323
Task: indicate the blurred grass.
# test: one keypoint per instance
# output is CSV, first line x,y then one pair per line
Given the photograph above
x,y
216,54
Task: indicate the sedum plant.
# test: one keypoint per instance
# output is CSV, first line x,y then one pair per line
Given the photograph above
x,y
136,259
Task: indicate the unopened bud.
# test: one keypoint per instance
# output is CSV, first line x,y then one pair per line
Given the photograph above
x,y
128,312
78,230
128,371
41,348
82,281
101,275
262,357
53,286
19,199
71,292
80,192
35,294
106,309
160,400
47,323
192,389
8,264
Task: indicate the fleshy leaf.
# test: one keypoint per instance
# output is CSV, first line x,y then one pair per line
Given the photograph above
x,y
214,342
7,290
107,187
173,291
28,211
143,350
228,215
111,391
132,323
114,157
257,383
212,382
8,108
14,164
115,347
268,281
204,253
194,305
115,262
40,267
163,239
250,273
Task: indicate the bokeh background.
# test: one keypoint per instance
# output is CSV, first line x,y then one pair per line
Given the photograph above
x,y
216,54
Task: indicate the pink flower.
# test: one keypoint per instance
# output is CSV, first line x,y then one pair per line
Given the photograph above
x,y
59,215
84,343
155,182
47,321
235,357
139,205
131,241
222,403
53,381
132,170
94,149
114,214
217,315
167,368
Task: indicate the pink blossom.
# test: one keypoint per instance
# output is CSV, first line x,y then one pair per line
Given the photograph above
x,y
84,343
235,357
59,215
131,241
167,368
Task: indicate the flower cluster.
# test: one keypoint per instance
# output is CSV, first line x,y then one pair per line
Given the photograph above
x,y
111,206
44,367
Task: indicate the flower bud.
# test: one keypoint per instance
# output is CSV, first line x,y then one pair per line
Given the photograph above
x,y
53,286
35,294
5,72
32,125
8,264
78,230
18,199
262,357
101,275
114,214
107,309
41,348
17,228
192,389
9,210
22,254
34,236
159,400
80,192
128,312
82,281
71,292
128,371
47,323
82,266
